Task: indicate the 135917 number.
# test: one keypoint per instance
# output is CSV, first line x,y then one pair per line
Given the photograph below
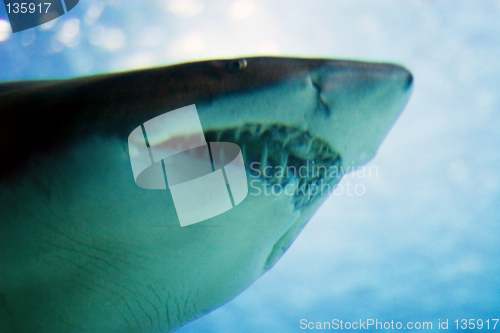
x,y
476,324
27,7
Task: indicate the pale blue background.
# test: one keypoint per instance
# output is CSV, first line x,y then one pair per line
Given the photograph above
x,y
422,244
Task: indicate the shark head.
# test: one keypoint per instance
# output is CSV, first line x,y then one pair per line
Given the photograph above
x,y
83,248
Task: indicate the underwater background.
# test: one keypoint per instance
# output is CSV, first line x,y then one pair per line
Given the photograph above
x,y
421,241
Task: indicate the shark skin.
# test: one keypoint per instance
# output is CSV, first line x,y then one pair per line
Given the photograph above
x,y
84,249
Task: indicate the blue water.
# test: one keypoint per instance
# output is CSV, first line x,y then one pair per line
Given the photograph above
x,y
421,244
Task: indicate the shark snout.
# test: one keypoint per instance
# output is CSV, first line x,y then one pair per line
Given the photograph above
x,y
360,75
357,105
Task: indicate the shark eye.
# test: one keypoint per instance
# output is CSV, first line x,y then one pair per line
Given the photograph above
x,y
236,64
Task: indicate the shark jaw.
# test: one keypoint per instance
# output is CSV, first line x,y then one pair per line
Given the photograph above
x,y
335,120
83,249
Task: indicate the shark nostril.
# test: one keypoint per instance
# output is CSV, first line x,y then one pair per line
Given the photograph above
x,y
409,81
321,103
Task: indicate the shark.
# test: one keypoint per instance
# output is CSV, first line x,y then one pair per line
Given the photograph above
x,y
84,249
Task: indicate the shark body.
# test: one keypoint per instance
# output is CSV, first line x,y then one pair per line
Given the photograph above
x,y
84,249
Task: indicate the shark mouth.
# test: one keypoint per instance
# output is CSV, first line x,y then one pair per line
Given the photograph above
x,y
286,159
